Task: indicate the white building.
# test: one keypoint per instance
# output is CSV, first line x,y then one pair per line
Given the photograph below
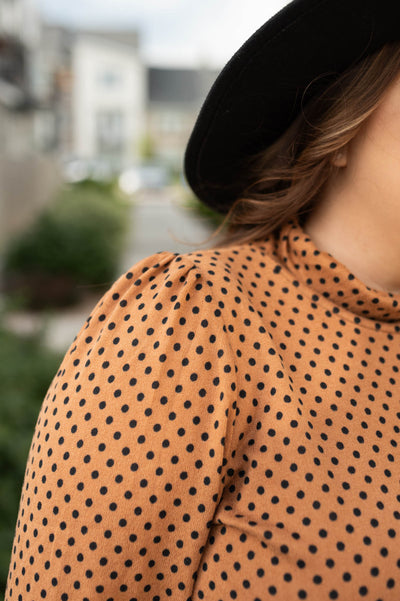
x,y
27,180
109,96
98,86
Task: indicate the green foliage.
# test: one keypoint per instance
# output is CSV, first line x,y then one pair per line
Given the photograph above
x,y
80,237
26,371
203,210
105,187
147,147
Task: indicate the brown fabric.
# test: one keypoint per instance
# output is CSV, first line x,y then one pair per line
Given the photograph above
x,y
225,426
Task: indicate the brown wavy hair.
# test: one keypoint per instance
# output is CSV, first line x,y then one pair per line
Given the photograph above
x,y
286,179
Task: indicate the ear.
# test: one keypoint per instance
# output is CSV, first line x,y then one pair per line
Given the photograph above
x,y
339,159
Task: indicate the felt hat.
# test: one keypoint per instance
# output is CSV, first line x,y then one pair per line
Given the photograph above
x,y
262,88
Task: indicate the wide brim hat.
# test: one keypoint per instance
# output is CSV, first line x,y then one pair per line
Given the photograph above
x,y
261,90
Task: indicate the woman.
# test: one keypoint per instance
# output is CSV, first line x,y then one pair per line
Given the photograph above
x,y
226,423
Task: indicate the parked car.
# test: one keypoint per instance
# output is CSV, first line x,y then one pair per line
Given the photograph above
x,y
144,177
77,169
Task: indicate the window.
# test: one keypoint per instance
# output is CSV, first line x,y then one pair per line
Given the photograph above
x,y
109,78
110,132
171,122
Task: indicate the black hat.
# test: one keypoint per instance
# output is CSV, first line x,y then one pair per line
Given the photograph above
x,y
259,92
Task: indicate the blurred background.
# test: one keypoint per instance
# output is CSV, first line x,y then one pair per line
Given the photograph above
x,y
97,102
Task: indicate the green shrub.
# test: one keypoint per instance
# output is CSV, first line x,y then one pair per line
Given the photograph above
x,y
79,238
203,210
26,370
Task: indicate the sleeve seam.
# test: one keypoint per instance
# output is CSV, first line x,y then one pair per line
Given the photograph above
x,y
229,433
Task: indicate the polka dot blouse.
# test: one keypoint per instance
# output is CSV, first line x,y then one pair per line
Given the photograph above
x,y
225,425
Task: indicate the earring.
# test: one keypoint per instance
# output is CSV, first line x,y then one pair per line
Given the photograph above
x,y
340,158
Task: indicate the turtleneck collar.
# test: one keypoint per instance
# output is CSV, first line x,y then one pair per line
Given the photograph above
x,y
325,275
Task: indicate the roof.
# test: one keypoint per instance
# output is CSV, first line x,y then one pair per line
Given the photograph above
x,y
129,37
179,86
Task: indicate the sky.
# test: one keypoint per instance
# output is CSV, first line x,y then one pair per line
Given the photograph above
x,y
173,32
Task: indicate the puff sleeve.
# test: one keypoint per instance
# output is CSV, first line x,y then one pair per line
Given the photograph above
x,y
129,454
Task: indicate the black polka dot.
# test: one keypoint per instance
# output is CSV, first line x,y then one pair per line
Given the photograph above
x,y
224,426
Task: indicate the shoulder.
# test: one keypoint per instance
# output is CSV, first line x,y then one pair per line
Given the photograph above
x,y
220,271
199,286
158,293
174,270
160,325
212,266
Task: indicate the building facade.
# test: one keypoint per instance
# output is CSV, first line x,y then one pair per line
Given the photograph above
x,y
27,179
109,97
174,98
98,82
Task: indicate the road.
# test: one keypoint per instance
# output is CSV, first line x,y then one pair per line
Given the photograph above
x,y
160,221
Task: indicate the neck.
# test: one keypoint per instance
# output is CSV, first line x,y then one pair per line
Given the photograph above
x,y
361,234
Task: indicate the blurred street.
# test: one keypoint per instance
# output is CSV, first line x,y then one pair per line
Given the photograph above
x,y
93,133
160,221
80,108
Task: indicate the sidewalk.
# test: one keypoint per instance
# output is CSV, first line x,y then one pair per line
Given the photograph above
x,y
160,221
59,328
